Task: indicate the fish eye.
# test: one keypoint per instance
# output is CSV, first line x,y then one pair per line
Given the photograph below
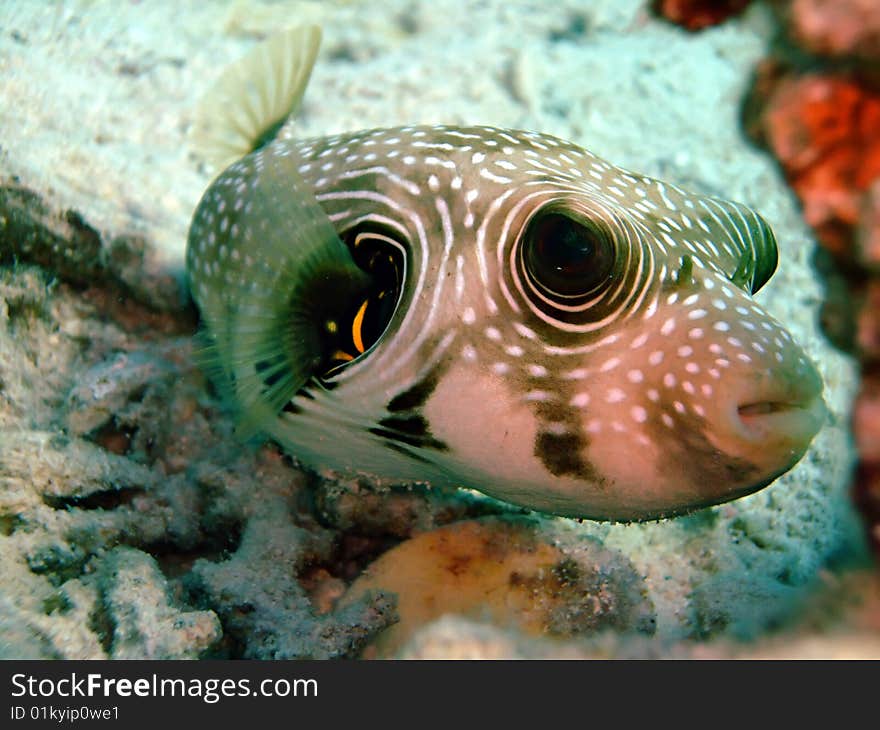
x,y
567,258
365,318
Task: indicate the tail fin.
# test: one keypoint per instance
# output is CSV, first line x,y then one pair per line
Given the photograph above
x,y
253,96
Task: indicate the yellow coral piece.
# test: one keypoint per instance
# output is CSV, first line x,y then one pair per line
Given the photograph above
x,y
494,570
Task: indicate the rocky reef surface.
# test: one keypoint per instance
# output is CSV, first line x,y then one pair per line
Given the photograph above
x,y
134,524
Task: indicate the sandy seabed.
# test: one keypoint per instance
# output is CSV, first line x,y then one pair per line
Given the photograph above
x,y
132,524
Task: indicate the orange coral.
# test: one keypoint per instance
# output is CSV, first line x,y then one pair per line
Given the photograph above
x,y
825,130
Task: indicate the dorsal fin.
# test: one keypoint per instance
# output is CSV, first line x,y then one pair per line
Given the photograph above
x,y
741,242
254,96
751,256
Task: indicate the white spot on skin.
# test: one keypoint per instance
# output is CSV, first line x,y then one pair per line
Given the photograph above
x,y
468,316
581,400
639,414
537,371
668,327
639,341
615,395
609,365
635,376
556,428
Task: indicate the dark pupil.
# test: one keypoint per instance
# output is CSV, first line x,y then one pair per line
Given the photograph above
x,y
565,257
382,262
363,316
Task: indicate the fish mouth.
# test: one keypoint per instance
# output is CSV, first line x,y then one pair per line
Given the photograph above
x,y
791,417
783,406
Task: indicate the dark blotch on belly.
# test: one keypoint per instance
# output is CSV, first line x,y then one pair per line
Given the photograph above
x,y
561,454
415,396
410,430
411,425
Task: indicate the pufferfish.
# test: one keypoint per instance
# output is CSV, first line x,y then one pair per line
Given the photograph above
x,y
487,308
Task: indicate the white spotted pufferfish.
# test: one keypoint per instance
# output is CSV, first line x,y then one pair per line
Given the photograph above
x,y
487,308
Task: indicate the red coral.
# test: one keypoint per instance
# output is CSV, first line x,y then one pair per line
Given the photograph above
x,y
837,28
825,130
699,14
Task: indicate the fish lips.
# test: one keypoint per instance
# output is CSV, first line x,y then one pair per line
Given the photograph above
x,y
775,419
